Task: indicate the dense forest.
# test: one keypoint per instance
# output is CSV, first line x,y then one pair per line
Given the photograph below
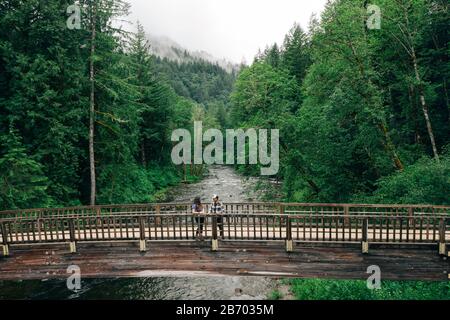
x,y
86,114
363,113
207,84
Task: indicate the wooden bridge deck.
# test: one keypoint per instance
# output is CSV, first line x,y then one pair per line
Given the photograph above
x,y
269,259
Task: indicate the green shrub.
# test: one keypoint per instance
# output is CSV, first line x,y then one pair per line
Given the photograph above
x,y
315,289
425,182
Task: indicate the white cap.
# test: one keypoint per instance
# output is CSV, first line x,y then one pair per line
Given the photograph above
x,y
215,196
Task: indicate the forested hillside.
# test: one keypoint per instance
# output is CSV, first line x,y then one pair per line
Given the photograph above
x,y
207,84
57,84
363,113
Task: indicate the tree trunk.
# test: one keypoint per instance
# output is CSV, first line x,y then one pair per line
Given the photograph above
x,y
412,53
424,105
390,147
388,143
446,98
143,157
92,109
413,104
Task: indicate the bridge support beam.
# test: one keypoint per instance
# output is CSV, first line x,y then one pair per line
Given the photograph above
x,y
215,245
142,242
443,249
72,244
365,247
289,246
215,240
142,246
5,250
73,247
365,236
5,245
289,240
442,244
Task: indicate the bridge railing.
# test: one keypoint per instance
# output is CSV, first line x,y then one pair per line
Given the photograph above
x,y
365,209
230,208
95,211
157,208
291,228
378,228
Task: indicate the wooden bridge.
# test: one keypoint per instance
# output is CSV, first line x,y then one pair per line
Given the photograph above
x,y
271,239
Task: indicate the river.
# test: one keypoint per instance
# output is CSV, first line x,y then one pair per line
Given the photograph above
x,y
220,180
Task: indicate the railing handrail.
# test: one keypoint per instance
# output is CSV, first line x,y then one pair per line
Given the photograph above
x,y
274,204
256,215
360,205
131,206
236,215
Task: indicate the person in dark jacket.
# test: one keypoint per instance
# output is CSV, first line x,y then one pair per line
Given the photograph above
x,y
198,210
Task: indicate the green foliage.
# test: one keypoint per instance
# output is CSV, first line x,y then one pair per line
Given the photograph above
x,y
22,181
296,54
198,80
347,101
262,96
352,124
134,184
316,289
275,295
41,67
426,181
44,73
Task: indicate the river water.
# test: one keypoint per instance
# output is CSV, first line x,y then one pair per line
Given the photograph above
x,y
220,180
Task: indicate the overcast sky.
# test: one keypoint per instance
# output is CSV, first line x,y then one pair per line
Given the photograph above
x,y
232,29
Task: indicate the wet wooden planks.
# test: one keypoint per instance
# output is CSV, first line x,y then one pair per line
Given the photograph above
x,y
267,259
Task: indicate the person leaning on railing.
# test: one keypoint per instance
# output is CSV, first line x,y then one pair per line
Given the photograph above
x,y
198,210
217,209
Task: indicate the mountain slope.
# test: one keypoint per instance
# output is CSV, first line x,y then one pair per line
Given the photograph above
x,y
165,47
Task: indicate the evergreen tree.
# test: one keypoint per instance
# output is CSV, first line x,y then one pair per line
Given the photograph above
x,y
296,53
22,181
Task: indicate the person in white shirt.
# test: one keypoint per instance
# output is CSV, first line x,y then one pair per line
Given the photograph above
x,y
217,209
